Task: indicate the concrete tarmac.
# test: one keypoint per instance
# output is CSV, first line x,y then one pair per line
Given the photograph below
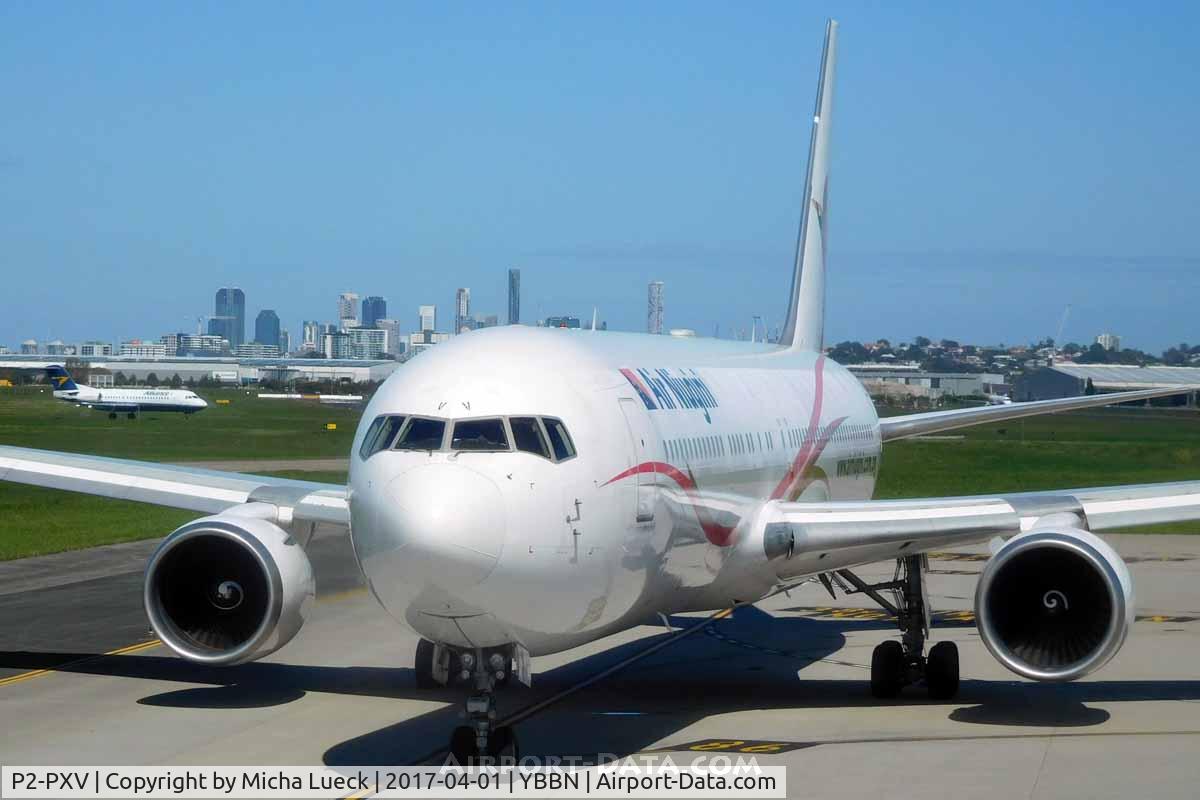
x,y
788,679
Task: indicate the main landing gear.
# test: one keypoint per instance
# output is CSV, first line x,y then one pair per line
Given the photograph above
x,y
437,665
895,665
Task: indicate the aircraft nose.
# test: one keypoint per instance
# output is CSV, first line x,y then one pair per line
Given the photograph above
x,y
449,522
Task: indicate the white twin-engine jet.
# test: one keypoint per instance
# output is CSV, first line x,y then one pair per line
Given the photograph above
x,y
520,491
122,401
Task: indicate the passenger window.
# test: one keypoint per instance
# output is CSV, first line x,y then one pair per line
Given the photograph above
x,y
422,434
480,435
560,440
379,435
527,435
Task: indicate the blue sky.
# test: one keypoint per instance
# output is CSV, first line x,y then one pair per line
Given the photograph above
x,y
992,163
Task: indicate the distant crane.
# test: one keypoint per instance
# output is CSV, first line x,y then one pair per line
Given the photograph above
x,y
201,320
1062,323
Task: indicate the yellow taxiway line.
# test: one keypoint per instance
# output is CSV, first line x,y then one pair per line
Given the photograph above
x,y
120,651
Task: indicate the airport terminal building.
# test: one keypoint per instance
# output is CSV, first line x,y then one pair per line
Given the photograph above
x,y
1072,380
231,370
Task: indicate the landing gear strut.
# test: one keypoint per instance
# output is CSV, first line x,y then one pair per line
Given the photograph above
x,y
481,738
895,665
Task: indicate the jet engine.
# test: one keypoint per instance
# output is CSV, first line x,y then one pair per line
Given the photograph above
x,y
1054,604
228,589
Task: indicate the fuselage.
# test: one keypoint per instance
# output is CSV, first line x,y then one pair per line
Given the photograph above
x,y
132,400
672,444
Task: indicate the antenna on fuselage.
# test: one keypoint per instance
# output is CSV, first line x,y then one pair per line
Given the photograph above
x,y
805,325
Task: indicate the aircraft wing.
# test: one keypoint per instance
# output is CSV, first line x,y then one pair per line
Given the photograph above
x,y
893,428
208,491
849,533
105,406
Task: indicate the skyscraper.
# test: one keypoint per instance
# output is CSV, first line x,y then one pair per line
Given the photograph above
x,y
229,316
266,328
654,307
462,308
514,296
428,316
374,308
347,310
395,340
310,335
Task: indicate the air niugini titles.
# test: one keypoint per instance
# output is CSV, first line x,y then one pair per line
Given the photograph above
x,y
660,389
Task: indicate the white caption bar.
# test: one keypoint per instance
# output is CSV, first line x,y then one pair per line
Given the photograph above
x,y
720,778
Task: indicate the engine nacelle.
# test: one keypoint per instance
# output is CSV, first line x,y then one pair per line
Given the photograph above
x,y
228,589
1054,604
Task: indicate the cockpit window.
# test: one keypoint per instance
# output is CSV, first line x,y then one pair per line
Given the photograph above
x,y
479,435
560,440
422,434
380,435
528,436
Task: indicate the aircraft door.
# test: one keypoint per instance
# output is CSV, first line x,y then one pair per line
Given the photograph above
x,y
642,439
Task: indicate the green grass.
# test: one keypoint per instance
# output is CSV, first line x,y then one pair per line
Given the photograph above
x,y
36,521
246,428
1088,448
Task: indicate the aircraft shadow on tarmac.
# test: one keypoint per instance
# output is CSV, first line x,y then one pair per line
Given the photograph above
x,y
750,661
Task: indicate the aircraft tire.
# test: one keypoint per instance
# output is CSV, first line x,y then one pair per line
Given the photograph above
x,y
887,669
941,671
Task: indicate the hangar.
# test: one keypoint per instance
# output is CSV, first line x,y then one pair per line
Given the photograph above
x,y
1073,380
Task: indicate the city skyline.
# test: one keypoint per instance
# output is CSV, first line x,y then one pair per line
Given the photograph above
x,y
973,179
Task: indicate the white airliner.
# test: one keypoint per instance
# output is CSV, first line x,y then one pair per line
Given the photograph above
x,y
521,491
126,401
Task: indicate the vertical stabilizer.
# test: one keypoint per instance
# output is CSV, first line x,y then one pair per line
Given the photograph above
x,y
805,325
60,379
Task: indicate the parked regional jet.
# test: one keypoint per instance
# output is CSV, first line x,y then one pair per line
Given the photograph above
x,y
522,491
127,401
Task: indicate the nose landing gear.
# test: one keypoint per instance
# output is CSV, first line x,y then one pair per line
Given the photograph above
x,y
437,665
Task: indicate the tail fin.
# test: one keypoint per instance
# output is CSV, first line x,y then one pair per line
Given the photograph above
x,y
60,378
805,326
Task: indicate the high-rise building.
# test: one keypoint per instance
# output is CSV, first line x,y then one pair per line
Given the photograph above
x,y
202,345
428,315
310,335
562,322
256,350
93,347
136,348
368,342
374,308
1109,341
395,340
337,345
285,341
347,310
654,307
229,315
514,296
266,328
462,308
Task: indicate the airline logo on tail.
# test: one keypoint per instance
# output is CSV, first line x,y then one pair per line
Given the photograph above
x,y
60,378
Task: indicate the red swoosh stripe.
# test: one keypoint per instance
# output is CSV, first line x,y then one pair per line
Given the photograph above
x,y
717,534
790,486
